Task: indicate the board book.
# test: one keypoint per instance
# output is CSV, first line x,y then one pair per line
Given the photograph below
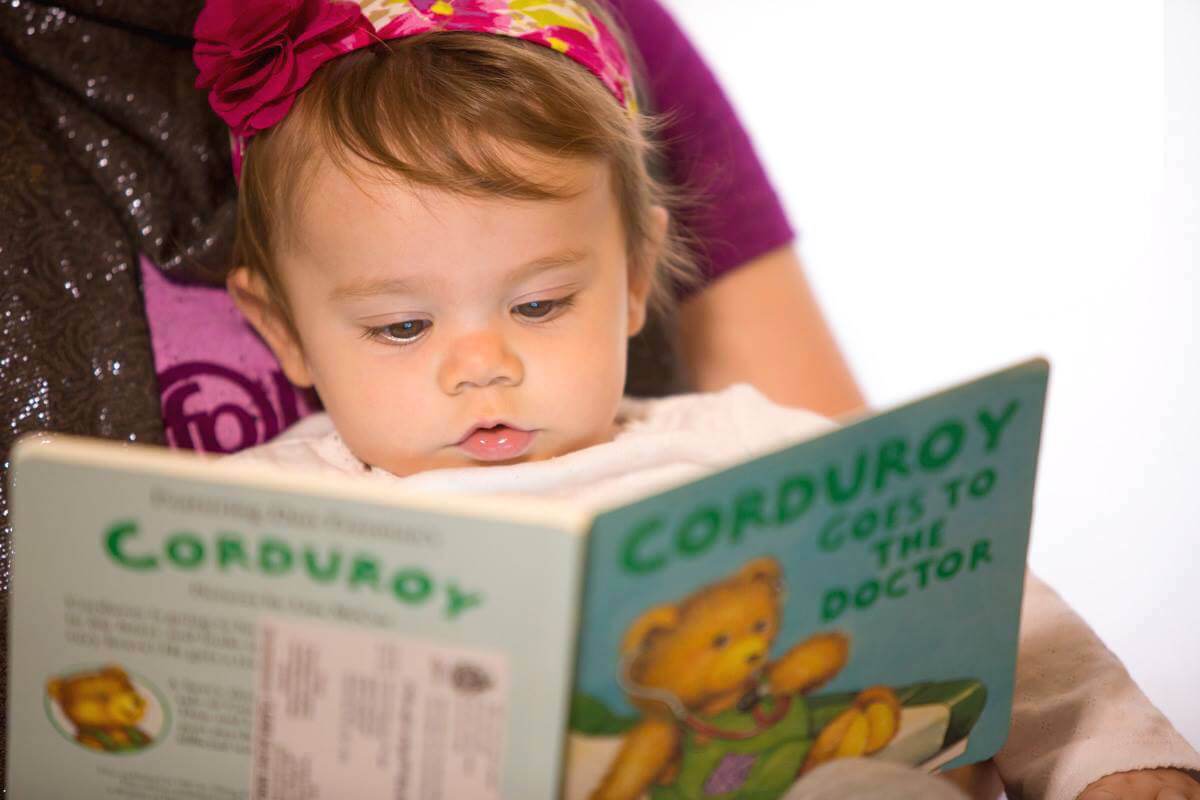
x,y
184,627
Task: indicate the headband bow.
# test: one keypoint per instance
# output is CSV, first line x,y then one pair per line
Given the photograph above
x,y
254,56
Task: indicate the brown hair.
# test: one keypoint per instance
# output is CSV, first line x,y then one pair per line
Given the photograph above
x,y
415,107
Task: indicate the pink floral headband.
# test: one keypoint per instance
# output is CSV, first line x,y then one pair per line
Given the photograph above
x,y
255,56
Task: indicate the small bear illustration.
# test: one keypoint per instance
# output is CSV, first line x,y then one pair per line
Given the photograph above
x,y
719,719
104,707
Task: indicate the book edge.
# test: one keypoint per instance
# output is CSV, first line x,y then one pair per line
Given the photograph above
x,y
65,448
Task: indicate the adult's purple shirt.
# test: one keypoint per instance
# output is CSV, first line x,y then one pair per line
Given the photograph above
x,y
740,216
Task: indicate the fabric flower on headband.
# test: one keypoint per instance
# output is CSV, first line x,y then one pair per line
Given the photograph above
x,y
254,56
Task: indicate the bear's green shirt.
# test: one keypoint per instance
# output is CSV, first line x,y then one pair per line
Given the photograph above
x,y
773,757
136,739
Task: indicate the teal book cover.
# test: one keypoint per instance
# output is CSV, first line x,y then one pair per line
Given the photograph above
x,y
856,594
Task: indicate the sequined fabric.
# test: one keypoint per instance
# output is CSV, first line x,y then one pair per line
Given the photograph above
x,y
105,150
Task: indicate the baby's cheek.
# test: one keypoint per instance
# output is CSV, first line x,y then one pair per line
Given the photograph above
x,y
593,386
376,411
594,359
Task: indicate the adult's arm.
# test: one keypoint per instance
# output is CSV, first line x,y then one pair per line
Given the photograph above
x,y
760,324
1077,715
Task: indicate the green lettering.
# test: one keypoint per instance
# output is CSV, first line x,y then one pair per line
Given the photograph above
x,y
829,538
911,543
459,601
795,496
834,604
412,586
891,459
982,484
893,511
865,524
843,494
922,568
950,564
632,559
185,550
710,519
113,539
992,427
890,588
951,489
274,557
951,433
935,533
981,553
882,548
916,506
322,573
747,508
363,570
867,594
230,551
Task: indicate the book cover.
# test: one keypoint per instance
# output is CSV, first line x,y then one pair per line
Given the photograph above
x,y
188,628
854,594
182,627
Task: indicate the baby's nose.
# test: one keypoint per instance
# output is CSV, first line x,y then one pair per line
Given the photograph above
x,y
483,358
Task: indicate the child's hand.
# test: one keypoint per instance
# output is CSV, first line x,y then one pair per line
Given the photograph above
x,y
1144,784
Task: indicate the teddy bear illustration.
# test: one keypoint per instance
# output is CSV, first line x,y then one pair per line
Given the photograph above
x,y
104,707
721,720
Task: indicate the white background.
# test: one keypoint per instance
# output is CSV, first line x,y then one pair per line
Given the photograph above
x,y
977,183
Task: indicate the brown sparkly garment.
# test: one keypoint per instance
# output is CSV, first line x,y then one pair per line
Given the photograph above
x,y
107,150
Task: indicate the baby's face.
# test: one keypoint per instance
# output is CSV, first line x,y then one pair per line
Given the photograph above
x,y
425,318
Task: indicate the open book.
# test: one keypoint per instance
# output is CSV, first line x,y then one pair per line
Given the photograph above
x,y
199,629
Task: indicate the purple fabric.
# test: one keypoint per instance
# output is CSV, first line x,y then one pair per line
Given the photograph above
x,y
222,389
740,216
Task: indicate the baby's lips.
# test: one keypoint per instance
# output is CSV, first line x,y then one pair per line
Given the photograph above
x,y
497,443
488,424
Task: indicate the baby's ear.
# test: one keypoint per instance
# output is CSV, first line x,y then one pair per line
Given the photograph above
x,y
641,276
253,298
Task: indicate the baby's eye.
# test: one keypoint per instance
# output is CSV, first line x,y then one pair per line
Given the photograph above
x,y
405,331
720,640
760,626
540,309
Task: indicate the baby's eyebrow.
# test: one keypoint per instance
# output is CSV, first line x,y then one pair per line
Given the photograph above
x,y
563,259
372,288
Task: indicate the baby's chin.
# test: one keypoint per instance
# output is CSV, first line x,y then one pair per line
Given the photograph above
x,y
407,467
544,448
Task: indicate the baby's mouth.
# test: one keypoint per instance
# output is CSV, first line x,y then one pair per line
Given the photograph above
x,y
498,442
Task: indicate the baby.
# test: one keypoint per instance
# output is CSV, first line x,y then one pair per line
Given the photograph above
x,y
447,226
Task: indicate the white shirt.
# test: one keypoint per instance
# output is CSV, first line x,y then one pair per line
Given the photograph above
x,y
659,443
